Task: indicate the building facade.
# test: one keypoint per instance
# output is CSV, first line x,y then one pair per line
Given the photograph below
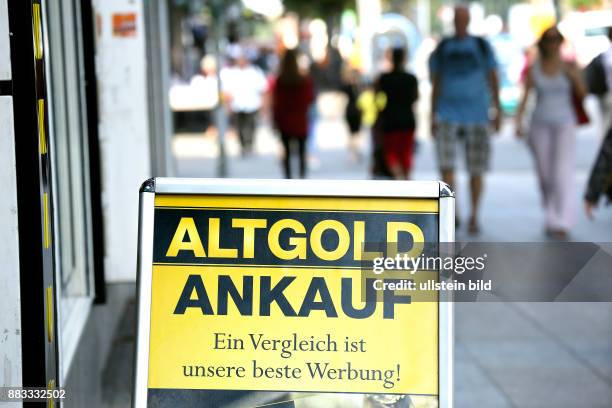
x,y
82,125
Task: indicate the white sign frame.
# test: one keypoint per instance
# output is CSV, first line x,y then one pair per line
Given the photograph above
x,y
305,188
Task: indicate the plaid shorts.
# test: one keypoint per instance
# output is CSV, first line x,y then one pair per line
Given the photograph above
x,y
474,138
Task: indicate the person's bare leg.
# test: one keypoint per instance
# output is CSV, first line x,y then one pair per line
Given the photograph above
x,y
448,176
475,194
397,172
354,147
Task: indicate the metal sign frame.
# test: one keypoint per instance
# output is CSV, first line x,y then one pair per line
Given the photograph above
x,y
305,188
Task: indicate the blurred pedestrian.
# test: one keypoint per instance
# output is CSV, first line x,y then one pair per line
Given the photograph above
x,y
352,113
559,89
292,95
243,87
205,86
599,77
600,180
327,72
464,86
396,120
599,81
371,102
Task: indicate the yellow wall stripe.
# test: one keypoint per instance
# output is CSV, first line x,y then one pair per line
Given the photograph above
x,y
38,53
49,298
46,226
51,387
41,127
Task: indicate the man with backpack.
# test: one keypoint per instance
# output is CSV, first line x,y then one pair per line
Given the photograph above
x,y
464,88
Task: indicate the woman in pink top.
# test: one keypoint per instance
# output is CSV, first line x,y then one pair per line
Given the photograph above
x,y
558,87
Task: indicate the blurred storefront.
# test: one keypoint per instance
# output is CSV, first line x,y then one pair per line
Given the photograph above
x,y
84,120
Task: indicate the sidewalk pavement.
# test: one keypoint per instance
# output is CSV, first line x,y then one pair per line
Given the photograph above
x,y
506,354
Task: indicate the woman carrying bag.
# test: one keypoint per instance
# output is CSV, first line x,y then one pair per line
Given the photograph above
x,y
558,109
292,95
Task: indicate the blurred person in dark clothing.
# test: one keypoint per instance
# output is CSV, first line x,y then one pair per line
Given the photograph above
x,y
352,112
292,95
396,120
599,76
465,86
552,136
600,180
327,73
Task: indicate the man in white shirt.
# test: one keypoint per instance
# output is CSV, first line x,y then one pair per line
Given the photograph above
x,y
243,88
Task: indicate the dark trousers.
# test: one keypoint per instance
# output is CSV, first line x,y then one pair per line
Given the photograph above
x,y
288,141
245,126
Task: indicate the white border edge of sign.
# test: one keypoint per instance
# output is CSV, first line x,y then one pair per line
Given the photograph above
x,y
145,262
446,341
313,188
332,188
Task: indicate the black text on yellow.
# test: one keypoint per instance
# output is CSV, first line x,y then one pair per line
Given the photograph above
x,y
317,297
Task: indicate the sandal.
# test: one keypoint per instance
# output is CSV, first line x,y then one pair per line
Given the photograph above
x,y
473,228
558,235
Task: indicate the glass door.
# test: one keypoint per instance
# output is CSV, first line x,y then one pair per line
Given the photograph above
x,y
69,158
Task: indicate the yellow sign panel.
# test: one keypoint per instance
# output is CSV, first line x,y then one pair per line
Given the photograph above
x,y
266,293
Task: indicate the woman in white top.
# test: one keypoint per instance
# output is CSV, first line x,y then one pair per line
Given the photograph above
x,y
551,133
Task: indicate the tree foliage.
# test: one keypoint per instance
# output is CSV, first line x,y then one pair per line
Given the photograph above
x,y
585,4
318,8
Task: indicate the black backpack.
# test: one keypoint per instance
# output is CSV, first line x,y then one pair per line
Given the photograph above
x,y
595,75
482,46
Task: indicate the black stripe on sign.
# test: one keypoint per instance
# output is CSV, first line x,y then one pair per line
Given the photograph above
x,y
375,231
